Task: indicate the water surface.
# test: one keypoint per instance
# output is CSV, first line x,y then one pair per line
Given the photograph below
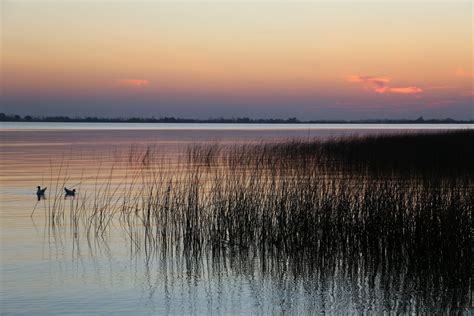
x,y
48,270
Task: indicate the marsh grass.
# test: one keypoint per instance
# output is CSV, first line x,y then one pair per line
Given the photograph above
x,y
391,211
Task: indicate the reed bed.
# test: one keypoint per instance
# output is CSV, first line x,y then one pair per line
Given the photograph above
x,y
394,210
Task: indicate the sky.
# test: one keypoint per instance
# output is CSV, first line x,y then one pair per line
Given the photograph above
x,y
266,59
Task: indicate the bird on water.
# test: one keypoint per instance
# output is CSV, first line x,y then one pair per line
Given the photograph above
x,y
70,192
40,192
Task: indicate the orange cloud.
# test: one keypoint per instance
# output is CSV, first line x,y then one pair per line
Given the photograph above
x,y
133,82
380,85
406,90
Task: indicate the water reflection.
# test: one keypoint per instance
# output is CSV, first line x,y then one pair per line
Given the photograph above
x,y
325,263
232,279
130,241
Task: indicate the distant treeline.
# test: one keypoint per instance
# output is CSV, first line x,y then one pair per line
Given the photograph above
x,y
243,120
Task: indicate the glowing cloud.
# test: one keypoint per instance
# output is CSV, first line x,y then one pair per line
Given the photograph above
x,y
405,90
374,80
380,85
133,82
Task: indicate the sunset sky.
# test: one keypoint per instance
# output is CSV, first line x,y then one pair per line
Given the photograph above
x,y
310,60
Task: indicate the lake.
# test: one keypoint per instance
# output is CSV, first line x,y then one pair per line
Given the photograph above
x,y
55,268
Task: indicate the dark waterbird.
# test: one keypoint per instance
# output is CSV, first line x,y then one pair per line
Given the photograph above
x,y
40,192
70,192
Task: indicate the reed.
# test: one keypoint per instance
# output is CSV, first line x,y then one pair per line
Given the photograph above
x,y
395,210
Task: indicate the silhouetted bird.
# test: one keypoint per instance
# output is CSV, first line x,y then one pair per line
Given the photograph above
x,y
40,192
70,192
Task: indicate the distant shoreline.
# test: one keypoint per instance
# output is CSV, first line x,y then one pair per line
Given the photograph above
x,y
66,119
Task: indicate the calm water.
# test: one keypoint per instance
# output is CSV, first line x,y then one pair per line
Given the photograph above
x,y
48,270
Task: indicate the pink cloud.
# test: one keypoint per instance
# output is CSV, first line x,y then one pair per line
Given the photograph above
x,y
377,84
133,82
380,85
406,90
